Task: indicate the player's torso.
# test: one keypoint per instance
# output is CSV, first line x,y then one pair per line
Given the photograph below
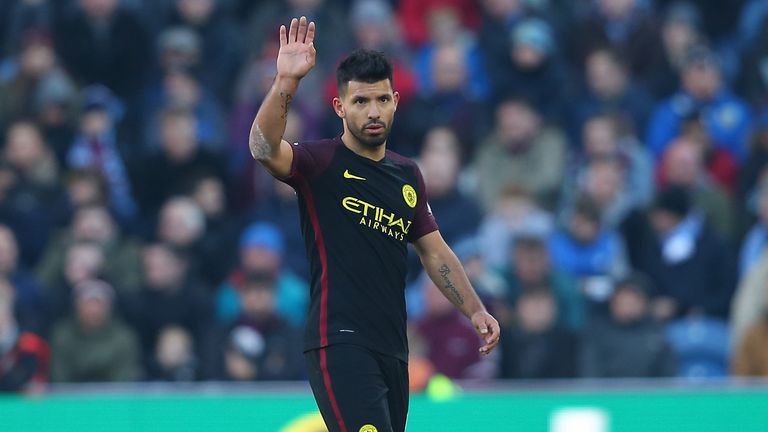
x,y
365,211
362,200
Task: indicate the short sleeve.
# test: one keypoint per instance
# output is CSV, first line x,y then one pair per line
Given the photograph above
x,y
423,220
309,159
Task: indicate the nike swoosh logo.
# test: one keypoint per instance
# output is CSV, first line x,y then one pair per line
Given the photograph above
x,y
347,175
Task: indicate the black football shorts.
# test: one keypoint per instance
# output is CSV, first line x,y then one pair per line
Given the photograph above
x,y
357,389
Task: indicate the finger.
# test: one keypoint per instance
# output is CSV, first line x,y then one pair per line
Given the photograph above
x,y
489,347
302,29
293,30
283,35
310,33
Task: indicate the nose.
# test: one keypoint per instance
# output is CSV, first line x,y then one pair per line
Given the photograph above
x,y
373,111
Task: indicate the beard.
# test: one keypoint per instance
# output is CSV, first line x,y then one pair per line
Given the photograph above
x,y
369,140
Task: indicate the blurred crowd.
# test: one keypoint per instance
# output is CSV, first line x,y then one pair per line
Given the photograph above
x,y
599,166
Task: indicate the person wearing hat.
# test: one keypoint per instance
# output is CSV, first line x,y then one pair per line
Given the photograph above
x,y
34,75
691,266
261,336
262,250
726,117
628,343
94,345
96,147
532,69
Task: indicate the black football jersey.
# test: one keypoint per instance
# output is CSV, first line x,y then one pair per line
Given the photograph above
x,y
357,217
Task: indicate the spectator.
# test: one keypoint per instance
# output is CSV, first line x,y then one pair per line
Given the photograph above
x,y
95,225
81,262
531,266
96,148
180,89
221,48
82,188
683,166
275,355
721,166
416,16
589,251
28,305
222,228
628,344
458,213
681,29
94,345
605,182
180,160
531,69
34,72
499,18
174,358
30,183
610,89
452,345
624,26
447,104
446,31
24,356
537,347
169,296
693,269
515,214
521,151
262,250
103,43
603,139
727,118
181,225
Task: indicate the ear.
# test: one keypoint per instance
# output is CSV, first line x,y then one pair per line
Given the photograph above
x,y
338,106
396,98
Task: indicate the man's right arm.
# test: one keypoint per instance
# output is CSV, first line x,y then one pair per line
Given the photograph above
x,y
266,138
294,60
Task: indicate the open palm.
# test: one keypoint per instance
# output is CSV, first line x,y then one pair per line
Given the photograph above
x,y
297,51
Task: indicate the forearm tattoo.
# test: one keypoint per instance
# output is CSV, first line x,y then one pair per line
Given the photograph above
x,y
260,149
287,98
449,286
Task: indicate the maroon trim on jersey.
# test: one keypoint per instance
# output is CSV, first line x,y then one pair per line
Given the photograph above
x,y
320,242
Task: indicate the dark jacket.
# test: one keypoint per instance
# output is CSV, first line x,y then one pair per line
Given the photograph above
x,y
614,350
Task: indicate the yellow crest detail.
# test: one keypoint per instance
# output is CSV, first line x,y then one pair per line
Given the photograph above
x,y
409,193
368,428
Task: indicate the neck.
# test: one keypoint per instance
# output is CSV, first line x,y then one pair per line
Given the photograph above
x,y
374,153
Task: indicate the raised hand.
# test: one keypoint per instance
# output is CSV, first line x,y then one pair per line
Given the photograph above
x,y
297,50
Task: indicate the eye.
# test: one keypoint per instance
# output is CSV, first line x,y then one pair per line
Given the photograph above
x,y
359,101
384,99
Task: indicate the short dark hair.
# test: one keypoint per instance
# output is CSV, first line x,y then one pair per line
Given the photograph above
x,y
364,66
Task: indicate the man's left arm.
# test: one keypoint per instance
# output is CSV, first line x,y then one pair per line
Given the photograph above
x,y
446,271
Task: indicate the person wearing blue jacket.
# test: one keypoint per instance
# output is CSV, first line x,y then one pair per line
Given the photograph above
x,y
726,117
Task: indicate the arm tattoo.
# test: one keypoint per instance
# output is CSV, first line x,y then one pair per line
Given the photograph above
x,y
448,285
260,149
287,99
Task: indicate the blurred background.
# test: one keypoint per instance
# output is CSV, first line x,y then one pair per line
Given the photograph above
x,y
599,166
